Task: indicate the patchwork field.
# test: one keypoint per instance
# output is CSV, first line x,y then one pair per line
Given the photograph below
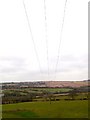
x,y
57,109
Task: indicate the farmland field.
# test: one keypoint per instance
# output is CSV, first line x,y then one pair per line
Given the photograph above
x,y
57,109
40,90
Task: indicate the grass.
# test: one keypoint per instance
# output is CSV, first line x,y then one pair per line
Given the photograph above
x,y
40,89
58,109
52,89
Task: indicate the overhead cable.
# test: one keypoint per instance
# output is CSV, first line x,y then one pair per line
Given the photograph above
x,y
60,37
32,36
46,35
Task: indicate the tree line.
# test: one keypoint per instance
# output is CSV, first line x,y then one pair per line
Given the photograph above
x,y
16,97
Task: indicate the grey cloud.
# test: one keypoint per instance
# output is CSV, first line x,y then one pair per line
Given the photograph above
x,y
68,58
65,58
12,65
70,63
13,60
66,65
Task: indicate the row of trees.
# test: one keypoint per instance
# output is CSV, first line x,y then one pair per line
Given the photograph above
x,y
15,97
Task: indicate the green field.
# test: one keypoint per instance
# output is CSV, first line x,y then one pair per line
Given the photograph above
x,y
38,90
57,109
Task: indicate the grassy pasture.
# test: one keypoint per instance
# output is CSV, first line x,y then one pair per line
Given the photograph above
x,y
57,109
51,89
39,90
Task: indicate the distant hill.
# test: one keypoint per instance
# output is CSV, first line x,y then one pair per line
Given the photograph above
x,y
66,83
61,84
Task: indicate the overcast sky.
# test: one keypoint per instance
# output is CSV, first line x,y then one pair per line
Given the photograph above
x,y
18,60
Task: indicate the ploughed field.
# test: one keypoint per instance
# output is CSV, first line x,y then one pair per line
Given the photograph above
x,y
57,109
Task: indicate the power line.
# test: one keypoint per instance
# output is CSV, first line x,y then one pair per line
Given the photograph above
x,y
46,36
60,36
32,36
